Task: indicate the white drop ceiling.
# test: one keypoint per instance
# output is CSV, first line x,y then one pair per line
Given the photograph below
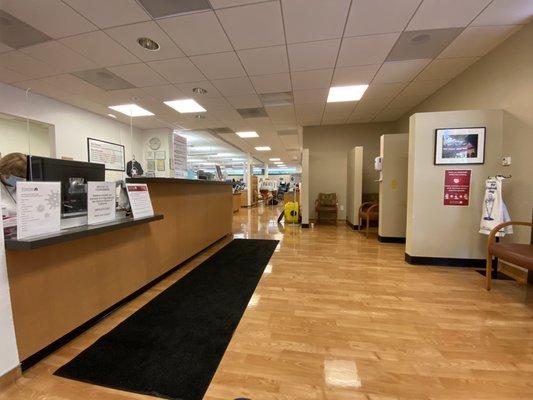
x,y
240,49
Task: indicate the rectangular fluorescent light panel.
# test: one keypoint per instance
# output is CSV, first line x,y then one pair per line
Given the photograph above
x,y
346,93
274,159
131,110
247,134
185,106
263,148
278,162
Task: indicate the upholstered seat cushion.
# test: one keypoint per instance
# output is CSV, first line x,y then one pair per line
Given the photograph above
x,y
516,253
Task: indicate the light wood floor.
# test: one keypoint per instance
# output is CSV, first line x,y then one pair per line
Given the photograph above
x,y
338,316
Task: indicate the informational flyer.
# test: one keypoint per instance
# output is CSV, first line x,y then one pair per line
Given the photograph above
x,y
110,154
140,202
457,187
101,205
38,208
180,155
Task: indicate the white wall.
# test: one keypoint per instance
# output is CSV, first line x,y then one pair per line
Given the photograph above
x,y
165,136
393,187
435,230
354,185
72,125
14,137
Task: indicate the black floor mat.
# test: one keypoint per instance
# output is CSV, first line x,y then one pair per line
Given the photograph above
x,y
172,346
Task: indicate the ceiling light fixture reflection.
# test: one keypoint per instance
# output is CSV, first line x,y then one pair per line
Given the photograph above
x,y
131,110
346,93
278,162
263,148
274,159
112,116
247,134
185,106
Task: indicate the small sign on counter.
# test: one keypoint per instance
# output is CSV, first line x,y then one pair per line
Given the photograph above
x,y
140,202
101,205
457,187
38,208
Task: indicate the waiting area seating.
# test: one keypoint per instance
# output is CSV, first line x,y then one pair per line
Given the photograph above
x,y
326,203
514,253
368,212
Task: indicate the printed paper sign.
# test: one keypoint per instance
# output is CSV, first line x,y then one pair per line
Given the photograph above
x,y
180,155
38,208
457,187
100,202
140,202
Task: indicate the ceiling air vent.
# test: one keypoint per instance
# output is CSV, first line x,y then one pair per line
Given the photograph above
x,y
104,79
17,34
247,113
276,99
415,45
222,130
167,8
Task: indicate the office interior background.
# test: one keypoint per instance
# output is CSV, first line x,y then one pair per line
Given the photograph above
x,y
281,102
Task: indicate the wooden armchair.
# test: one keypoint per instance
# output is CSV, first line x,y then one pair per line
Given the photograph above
x,y
368,212
515,253
326,202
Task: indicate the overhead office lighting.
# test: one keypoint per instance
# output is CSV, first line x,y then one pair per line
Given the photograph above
x,y
247,134
274,159
185,106
346,93
263,148
131,110
112,116
278,162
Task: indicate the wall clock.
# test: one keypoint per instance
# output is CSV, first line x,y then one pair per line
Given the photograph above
x,y
154,143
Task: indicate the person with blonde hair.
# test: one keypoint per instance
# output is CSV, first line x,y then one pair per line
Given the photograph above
x,y
12,170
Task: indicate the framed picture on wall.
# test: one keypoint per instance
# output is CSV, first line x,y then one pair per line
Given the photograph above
x,y
460,146
110,154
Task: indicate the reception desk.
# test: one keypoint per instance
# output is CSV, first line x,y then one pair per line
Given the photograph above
x,y
64,284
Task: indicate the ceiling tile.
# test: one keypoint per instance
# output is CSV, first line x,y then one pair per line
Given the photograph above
x,y
478,41
266,60
59,56
344,107
187,88
52,17
335,118
314,79
245,101
435,14
104,79
356,75
234,86
127,36
271,83
9,76
220,65
391,114
310,96
381,90
197,33
399,71
404,101
365,50
216,4
326,19
26,65
419,88
366,105
177,70
506,12
309,109
100,48
254,25
165,92
367,17
5,48
422,44
313,55
445,68
72,84
15,34
138,74
105,13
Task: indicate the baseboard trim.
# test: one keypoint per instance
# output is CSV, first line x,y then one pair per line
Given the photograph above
x,y
391,239
445,262
354,227
10,377
58,343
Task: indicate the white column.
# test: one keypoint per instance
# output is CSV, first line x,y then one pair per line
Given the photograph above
x,y
249,174
266,171
304,188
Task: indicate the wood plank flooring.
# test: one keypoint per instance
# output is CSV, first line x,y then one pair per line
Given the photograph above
x,y
338,316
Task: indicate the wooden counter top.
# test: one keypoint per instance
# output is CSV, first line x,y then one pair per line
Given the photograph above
x,y
175,180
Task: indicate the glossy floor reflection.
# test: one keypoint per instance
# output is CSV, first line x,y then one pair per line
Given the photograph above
x,y
338,316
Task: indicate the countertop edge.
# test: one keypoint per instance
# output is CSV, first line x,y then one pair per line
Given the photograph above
x,y
175,180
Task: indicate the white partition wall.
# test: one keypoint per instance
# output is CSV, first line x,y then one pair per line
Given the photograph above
x,y
304,189
394,150
438,233
354,185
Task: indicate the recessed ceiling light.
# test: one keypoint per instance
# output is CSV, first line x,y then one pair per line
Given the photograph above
x,y
131,110
185,106
148,44
274,159
346,93
278,162
112,116
199,116
247,134
263,148
199,90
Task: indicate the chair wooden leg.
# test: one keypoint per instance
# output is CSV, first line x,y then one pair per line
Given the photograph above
x,y
488,272
367,226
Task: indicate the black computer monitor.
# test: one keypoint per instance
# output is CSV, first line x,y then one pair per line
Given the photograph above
x,y
73,176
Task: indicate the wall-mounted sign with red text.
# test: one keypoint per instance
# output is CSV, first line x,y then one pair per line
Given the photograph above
x,y
457,187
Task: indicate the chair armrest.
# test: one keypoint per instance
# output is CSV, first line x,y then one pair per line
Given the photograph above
x,y
366,203
372,207
498,227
